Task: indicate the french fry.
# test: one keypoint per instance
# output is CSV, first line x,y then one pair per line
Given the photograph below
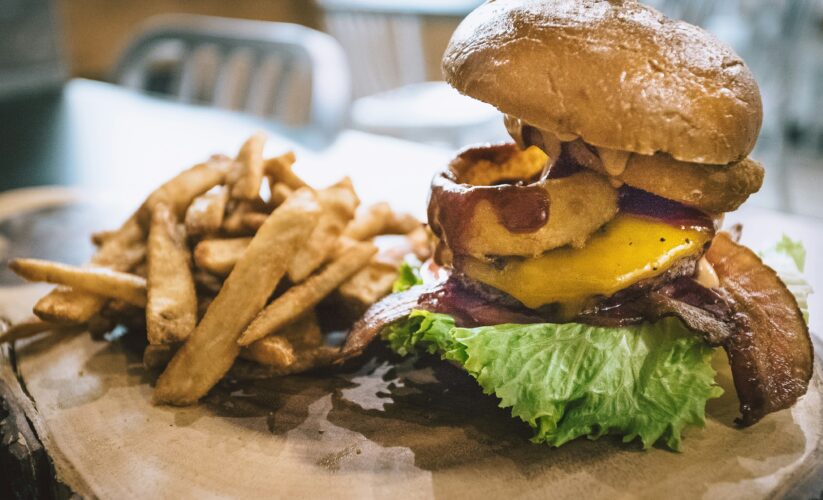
x,y
271,351
253,220
171,310
421,241
401,223
375,281
250,173
380,219
312,359
367,286
338,203
219,256
300,298
68,307
96,280
121,250
98,237
205,214
211,350
369,222
303,333
279,193
309,359
27,328
281,349
181,190
233,223
280,170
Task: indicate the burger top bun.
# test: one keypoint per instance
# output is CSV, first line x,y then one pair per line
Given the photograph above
x,y
616,73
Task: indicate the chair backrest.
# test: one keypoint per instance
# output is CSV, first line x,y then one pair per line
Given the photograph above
x,y
294,75
391,32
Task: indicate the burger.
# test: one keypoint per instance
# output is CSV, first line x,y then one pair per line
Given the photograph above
x,y
580,272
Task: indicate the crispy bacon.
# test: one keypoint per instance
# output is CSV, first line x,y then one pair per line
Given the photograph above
x,y
770,350
385,312
473,304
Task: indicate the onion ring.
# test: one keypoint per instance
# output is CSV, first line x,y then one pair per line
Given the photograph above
x,y
512,213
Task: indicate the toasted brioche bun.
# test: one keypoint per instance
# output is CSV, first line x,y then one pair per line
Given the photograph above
x,y
617,74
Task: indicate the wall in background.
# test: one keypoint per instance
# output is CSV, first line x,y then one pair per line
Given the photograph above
x,y
97,30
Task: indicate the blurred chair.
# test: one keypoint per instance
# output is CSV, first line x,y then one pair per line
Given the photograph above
x,y
288,73
384,38
387,43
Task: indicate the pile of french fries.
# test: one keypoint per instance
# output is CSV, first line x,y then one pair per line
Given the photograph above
x,y
228,259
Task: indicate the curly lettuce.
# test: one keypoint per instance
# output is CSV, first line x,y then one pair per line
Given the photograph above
x,y
570,380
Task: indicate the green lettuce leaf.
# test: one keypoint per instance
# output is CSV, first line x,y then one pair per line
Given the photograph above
x,y
409,276
788,259
569,380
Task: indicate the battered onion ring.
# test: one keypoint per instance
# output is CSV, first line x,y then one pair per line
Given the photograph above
x,y
514,216
710,188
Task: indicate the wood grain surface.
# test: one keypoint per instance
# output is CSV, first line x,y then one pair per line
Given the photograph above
x,y
384,427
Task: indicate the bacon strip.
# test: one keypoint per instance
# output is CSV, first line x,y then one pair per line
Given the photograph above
x,y
381,314
770,351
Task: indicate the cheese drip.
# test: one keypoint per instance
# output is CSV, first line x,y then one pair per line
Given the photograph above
x,y
629,249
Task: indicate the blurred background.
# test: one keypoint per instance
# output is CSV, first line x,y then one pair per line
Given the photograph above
x,y
379,68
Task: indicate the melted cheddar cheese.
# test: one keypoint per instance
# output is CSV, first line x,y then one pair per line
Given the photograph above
x,y
627,250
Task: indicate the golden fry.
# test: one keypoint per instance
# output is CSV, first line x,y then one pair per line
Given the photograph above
x,y
98,237
368,285
270,351
234,223
210,351
253,220
300,298
68,307
124,248
422,244
279,193
288,345
205,214
369,222
375,281
280,170
219,256
250,173
401,223
310,359
171,311
380,219
304,332
121,250
97,280
181,190
338,203
27,328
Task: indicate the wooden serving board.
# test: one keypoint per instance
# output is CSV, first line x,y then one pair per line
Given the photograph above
x,y
388,428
